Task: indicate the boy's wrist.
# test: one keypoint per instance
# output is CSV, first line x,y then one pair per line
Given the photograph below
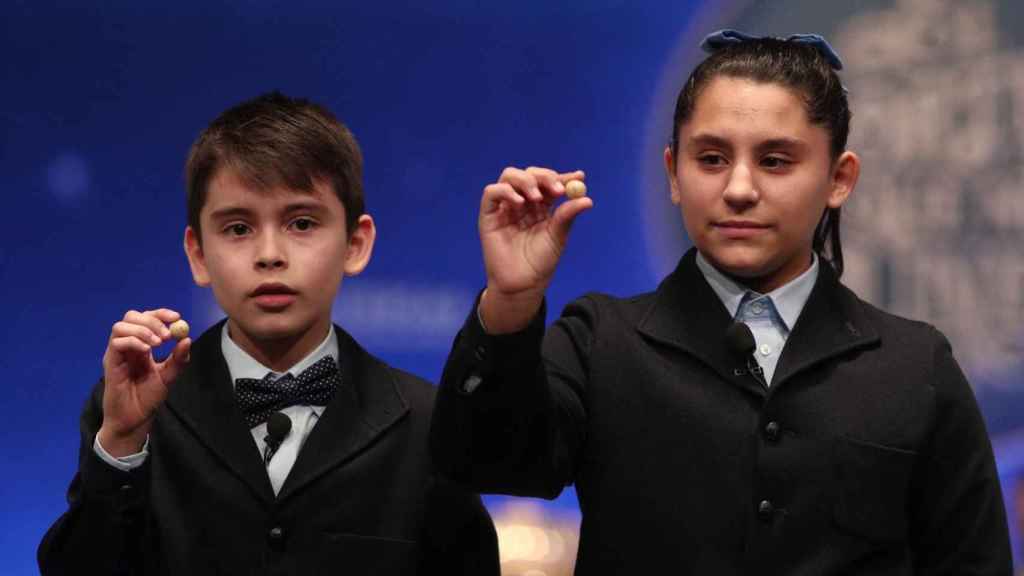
x,y
123,444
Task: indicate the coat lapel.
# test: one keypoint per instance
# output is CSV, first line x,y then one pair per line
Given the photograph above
x,y
204,400
832,323
688,315
365,407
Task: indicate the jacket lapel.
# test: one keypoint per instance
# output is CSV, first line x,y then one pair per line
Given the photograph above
x,y
365,407
832,323
204,400
688,315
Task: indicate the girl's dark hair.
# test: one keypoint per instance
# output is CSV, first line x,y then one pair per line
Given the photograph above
x,y
799,67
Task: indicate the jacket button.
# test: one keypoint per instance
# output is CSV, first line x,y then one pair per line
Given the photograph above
x,y
771,431
276,535
765,510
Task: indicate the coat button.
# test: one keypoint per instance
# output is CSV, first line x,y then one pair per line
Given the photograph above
x,y
765,510
276,535
771,431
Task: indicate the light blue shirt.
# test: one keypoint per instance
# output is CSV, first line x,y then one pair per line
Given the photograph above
x,y
770,316
242,365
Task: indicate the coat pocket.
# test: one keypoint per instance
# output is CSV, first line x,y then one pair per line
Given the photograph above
x,y
871,489
356,554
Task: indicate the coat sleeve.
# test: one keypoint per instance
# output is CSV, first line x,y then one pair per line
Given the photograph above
x,y
459,536
958,518
510,415
101,529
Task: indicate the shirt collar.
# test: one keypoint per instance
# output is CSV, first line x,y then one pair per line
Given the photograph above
x,y
788,299
243,365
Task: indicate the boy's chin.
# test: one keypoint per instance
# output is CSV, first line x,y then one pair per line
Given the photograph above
x,y
270,330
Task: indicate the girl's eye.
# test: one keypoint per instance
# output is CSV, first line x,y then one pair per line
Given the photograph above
x,y
303,224
775,162
711,159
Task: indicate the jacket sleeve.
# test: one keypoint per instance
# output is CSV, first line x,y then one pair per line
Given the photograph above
x,y
959,521
101,529
510,414
459,537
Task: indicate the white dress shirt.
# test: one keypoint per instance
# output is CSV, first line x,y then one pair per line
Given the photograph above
x,y
242,365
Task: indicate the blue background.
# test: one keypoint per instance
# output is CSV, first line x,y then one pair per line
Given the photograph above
x,y
99,106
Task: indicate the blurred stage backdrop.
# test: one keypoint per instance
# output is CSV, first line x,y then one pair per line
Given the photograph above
x,y
99,106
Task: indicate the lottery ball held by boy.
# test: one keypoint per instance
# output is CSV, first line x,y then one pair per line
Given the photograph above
x,y
178,472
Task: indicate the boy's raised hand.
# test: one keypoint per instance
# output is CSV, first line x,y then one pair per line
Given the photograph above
x,y
522,240
134,383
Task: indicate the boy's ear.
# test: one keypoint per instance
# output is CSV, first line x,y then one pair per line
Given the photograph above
x,y
670,171
844,178
196,260
360,245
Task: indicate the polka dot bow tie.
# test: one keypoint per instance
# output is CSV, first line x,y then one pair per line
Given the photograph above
x,y
261,398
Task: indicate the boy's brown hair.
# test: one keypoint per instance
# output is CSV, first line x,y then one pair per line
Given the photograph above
x,y
277,141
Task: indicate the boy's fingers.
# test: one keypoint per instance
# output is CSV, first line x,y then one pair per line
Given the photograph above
x,y
129,345
575,175
523,182
172,367
141,332
565,215
547,180
495,194
150,321
166,315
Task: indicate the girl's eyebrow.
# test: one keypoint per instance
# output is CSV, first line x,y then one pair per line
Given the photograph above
x,y
704,139
784,142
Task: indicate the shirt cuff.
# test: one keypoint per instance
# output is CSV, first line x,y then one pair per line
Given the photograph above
x,y
124,463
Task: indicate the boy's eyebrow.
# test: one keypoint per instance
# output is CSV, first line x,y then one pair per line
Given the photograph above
x,y
304,205
229,212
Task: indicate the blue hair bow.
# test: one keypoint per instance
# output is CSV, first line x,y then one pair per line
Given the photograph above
x,y
718,40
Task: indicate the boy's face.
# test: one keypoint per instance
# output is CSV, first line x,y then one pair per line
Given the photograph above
x,y
753,176
275,260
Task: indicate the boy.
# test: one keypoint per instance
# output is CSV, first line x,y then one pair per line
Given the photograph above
x,y
180,473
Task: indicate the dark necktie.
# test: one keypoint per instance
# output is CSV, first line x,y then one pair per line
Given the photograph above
x,y
261,398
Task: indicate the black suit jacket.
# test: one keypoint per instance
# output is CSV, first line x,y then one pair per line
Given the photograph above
x,y
867,455
362,497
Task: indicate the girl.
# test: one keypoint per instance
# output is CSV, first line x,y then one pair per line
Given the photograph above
x,y
751,415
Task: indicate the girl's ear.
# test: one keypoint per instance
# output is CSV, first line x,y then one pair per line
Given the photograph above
x,y
670,171
844,178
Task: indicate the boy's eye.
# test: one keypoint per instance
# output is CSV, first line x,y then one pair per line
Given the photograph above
x,y
238,230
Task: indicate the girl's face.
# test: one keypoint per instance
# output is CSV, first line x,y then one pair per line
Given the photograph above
x,y
753,177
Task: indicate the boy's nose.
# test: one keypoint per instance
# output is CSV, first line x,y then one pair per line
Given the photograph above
x,y
740,191
271,254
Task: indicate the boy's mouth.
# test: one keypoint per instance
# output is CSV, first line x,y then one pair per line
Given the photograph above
x,y
273,295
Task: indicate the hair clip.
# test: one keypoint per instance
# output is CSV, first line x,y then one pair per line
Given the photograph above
x,y
718,40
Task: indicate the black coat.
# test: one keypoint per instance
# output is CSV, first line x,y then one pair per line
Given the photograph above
x,y
362,497
867,455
